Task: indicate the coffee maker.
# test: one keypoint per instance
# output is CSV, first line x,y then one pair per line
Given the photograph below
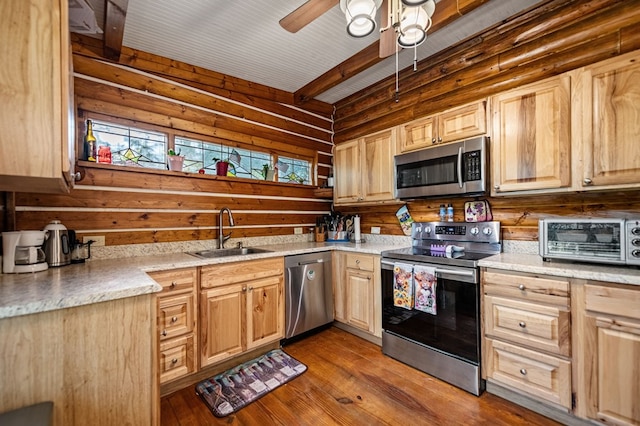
x,y
22,252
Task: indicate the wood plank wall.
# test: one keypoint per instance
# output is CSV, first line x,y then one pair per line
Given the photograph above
x,y
131,206
556,37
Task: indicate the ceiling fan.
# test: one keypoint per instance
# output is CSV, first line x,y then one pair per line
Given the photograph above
x,y
403,23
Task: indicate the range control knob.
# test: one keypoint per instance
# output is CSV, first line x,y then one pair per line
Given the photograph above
x,y
635,231
635,253
427,230
487,231
474,230
635,242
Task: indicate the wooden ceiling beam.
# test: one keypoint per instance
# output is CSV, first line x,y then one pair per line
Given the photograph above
x,y
114,18
446,12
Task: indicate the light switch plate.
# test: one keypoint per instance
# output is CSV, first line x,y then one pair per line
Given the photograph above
x,y
375,229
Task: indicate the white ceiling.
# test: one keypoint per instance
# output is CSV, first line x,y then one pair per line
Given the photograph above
x,y
243,38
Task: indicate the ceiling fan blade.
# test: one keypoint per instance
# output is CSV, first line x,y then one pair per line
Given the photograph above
x,y
388,36
306,14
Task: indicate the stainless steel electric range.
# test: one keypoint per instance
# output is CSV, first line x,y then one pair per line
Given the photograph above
x,y
431,300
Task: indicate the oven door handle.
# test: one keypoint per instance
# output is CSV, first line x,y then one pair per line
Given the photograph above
x,y
460,167
439,270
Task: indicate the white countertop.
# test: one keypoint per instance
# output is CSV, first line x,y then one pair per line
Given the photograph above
x,y
534,264
102,280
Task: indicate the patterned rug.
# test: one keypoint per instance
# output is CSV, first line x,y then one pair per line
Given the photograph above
x,y
228,392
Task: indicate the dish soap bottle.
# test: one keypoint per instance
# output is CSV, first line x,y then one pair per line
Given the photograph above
x,y
443,213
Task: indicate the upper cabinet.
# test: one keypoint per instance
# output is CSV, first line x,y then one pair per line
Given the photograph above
x,y
608,123
451,125
36,101
363,169
531,140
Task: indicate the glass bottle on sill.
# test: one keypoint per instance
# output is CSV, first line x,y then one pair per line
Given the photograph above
x,y
89,143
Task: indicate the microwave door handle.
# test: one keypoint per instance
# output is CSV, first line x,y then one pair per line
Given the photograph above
x,y
460,167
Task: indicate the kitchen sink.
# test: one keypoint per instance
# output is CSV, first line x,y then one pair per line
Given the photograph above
x,y
209,254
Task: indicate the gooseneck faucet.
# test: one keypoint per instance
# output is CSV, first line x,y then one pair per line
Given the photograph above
x,y
221,237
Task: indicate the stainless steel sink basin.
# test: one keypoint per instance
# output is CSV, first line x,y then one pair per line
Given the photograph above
x,y
209,254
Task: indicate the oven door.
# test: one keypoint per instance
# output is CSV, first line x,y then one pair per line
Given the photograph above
x,y
454,330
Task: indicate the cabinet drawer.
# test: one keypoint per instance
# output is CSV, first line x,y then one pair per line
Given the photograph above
x,y
527,287
362,262
613,300
177,358
175,281
542,376
529,324
229,273
176,315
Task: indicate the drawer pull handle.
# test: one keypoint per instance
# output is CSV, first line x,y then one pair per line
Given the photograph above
x,y
164,332
174,361
174,319
521,287
522,324
173,284
523,371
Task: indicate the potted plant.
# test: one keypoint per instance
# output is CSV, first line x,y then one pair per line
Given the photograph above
x,y
267,172
174,161
222,166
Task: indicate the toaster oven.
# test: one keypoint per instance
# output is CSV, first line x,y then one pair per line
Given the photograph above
x,y
614,241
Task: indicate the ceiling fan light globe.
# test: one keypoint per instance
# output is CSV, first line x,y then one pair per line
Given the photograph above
x,y
361,26
414,2
413,37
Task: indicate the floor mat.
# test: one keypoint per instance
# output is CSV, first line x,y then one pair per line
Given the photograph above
x,y
228,392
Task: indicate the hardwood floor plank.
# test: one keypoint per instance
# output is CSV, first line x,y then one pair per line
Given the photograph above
x,y
350,382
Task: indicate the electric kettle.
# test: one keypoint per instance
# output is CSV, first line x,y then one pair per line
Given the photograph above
x,y
57,247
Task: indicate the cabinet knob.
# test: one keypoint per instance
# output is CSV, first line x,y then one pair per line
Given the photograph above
x,y
587,181
521,287
522,324
523,371
164,332
173,284
439,139
251,288
174,319
496,187
357,261
244,289
174,361
433,140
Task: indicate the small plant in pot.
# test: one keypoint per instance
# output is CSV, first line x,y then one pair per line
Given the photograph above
x,y
222,167
267,172
174,161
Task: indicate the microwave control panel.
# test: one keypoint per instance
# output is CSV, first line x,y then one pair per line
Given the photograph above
x,y
472,166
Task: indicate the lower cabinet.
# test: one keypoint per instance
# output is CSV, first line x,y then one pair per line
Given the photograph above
x,y
609,353
241,307
527,329
357,297
177,322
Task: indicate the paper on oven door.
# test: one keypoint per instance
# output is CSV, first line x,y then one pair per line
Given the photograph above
x,y
425,283
403,285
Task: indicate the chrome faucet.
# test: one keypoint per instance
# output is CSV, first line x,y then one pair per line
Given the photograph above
x,y
221,237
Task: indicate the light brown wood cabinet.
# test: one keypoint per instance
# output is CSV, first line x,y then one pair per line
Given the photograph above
x,y
608,355
357,298
451,125
606,123
531,138
527,334
241,307
177,322
36,97
363,169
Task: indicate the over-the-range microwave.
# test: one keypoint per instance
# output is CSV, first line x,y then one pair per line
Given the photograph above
x,y
456,168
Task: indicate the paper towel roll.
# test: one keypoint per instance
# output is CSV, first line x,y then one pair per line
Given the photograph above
x,y
356,228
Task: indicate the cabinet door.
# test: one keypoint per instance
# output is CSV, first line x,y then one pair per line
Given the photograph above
x,y
464,122
36,101
418,134
377,174
265,311
610,127
346,171
531,137
359,288
221,323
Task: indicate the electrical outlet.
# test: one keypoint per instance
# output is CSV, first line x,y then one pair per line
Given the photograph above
x,y
297,231
375,229
98,240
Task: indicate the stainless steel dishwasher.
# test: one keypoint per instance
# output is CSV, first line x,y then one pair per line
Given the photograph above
x,y
308,292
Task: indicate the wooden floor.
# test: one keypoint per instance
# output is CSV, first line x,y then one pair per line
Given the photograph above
x,y
350,382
